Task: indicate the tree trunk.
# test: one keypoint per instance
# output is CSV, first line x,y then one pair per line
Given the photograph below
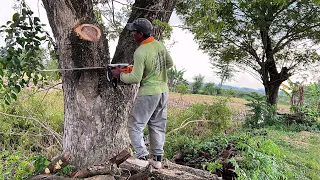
x,y
96,115
271,78
272,91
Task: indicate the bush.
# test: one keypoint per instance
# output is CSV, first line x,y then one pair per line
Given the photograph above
x,y
258,159
34,133
261,114
15,166
201,120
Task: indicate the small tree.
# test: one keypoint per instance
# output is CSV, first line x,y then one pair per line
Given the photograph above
x,y
223,69
175,77
182,89
209,88
197,84
295,92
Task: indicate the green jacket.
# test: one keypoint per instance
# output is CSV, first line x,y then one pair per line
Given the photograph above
x,y
151,62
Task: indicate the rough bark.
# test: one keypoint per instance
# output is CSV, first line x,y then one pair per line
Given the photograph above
x,y
126,45
272,91
95,114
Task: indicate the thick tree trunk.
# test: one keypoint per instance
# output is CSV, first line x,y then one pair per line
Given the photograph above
x,y
272,91
271,78
96,115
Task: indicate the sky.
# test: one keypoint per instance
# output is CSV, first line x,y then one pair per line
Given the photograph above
x,y
185,52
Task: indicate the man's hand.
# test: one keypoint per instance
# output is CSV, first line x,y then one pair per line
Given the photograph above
x,y
116,72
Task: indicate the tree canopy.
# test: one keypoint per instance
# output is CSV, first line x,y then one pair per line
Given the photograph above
x,y
274,39
22,54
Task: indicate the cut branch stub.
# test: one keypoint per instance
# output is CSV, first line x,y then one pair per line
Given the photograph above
x,y
88,32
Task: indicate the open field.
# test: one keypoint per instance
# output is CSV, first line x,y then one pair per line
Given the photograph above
x,y
176,101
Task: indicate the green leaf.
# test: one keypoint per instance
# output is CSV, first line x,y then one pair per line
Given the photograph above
x,y
5,154
36,19
20,41
1,72
35,81
15,17
14,96
17,88
7,101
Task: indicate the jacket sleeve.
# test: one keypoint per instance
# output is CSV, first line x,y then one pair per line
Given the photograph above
x,y
138,67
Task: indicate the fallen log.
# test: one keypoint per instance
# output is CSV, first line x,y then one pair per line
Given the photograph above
x,y
170,171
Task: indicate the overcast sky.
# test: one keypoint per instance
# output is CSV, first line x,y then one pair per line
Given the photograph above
x,y
185,52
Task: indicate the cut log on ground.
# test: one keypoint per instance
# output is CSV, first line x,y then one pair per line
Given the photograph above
x,y
170,171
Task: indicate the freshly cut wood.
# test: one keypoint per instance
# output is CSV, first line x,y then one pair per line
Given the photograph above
x,y
57,164
88,32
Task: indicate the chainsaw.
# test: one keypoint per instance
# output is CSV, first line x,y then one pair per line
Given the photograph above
x,y
124,68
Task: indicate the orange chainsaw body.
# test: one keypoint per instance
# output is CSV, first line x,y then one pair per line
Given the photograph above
x,y
126,70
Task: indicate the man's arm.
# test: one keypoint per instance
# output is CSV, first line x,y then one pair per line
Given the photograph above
x,y
138,67
169,62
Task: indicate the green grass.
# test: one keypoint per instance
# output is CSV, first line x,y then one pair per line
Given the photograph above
x,y
301,152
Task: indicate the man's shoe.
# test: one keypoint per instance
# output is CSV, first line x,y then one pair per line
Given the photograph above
x,y
139,162
156,162
145,158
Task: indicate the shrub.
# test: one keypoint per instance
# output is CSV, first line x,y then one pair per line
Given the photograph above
x,y
261,113
201,120
15,166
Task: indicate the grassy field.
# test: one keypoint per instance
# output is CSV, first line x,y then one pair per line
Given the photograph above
x,y
275,152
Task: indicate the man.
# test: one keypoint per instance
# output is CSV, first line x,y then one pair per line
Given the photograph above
x,y
151,61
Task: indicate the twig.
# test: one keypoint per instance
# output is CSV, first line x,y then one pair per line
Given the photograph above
x,y
172,131
186,120
55,134
114,22
26,133
50,87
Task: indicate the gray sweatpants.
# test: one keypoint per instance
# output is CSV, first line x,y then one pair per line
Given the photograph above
x,y
151,110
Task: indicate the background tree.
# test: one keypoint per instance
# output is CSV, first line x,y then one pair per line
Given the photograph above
x,y
223,69
197,84
312,95
175,77
182,88
22,54
209,88
274,39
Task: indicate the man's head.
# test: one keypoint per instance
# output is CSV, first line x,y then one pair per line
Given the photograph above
x,y
141,28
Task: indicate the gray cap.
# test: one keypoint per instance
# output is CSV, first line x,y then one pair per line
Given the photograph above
x,y
141,24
